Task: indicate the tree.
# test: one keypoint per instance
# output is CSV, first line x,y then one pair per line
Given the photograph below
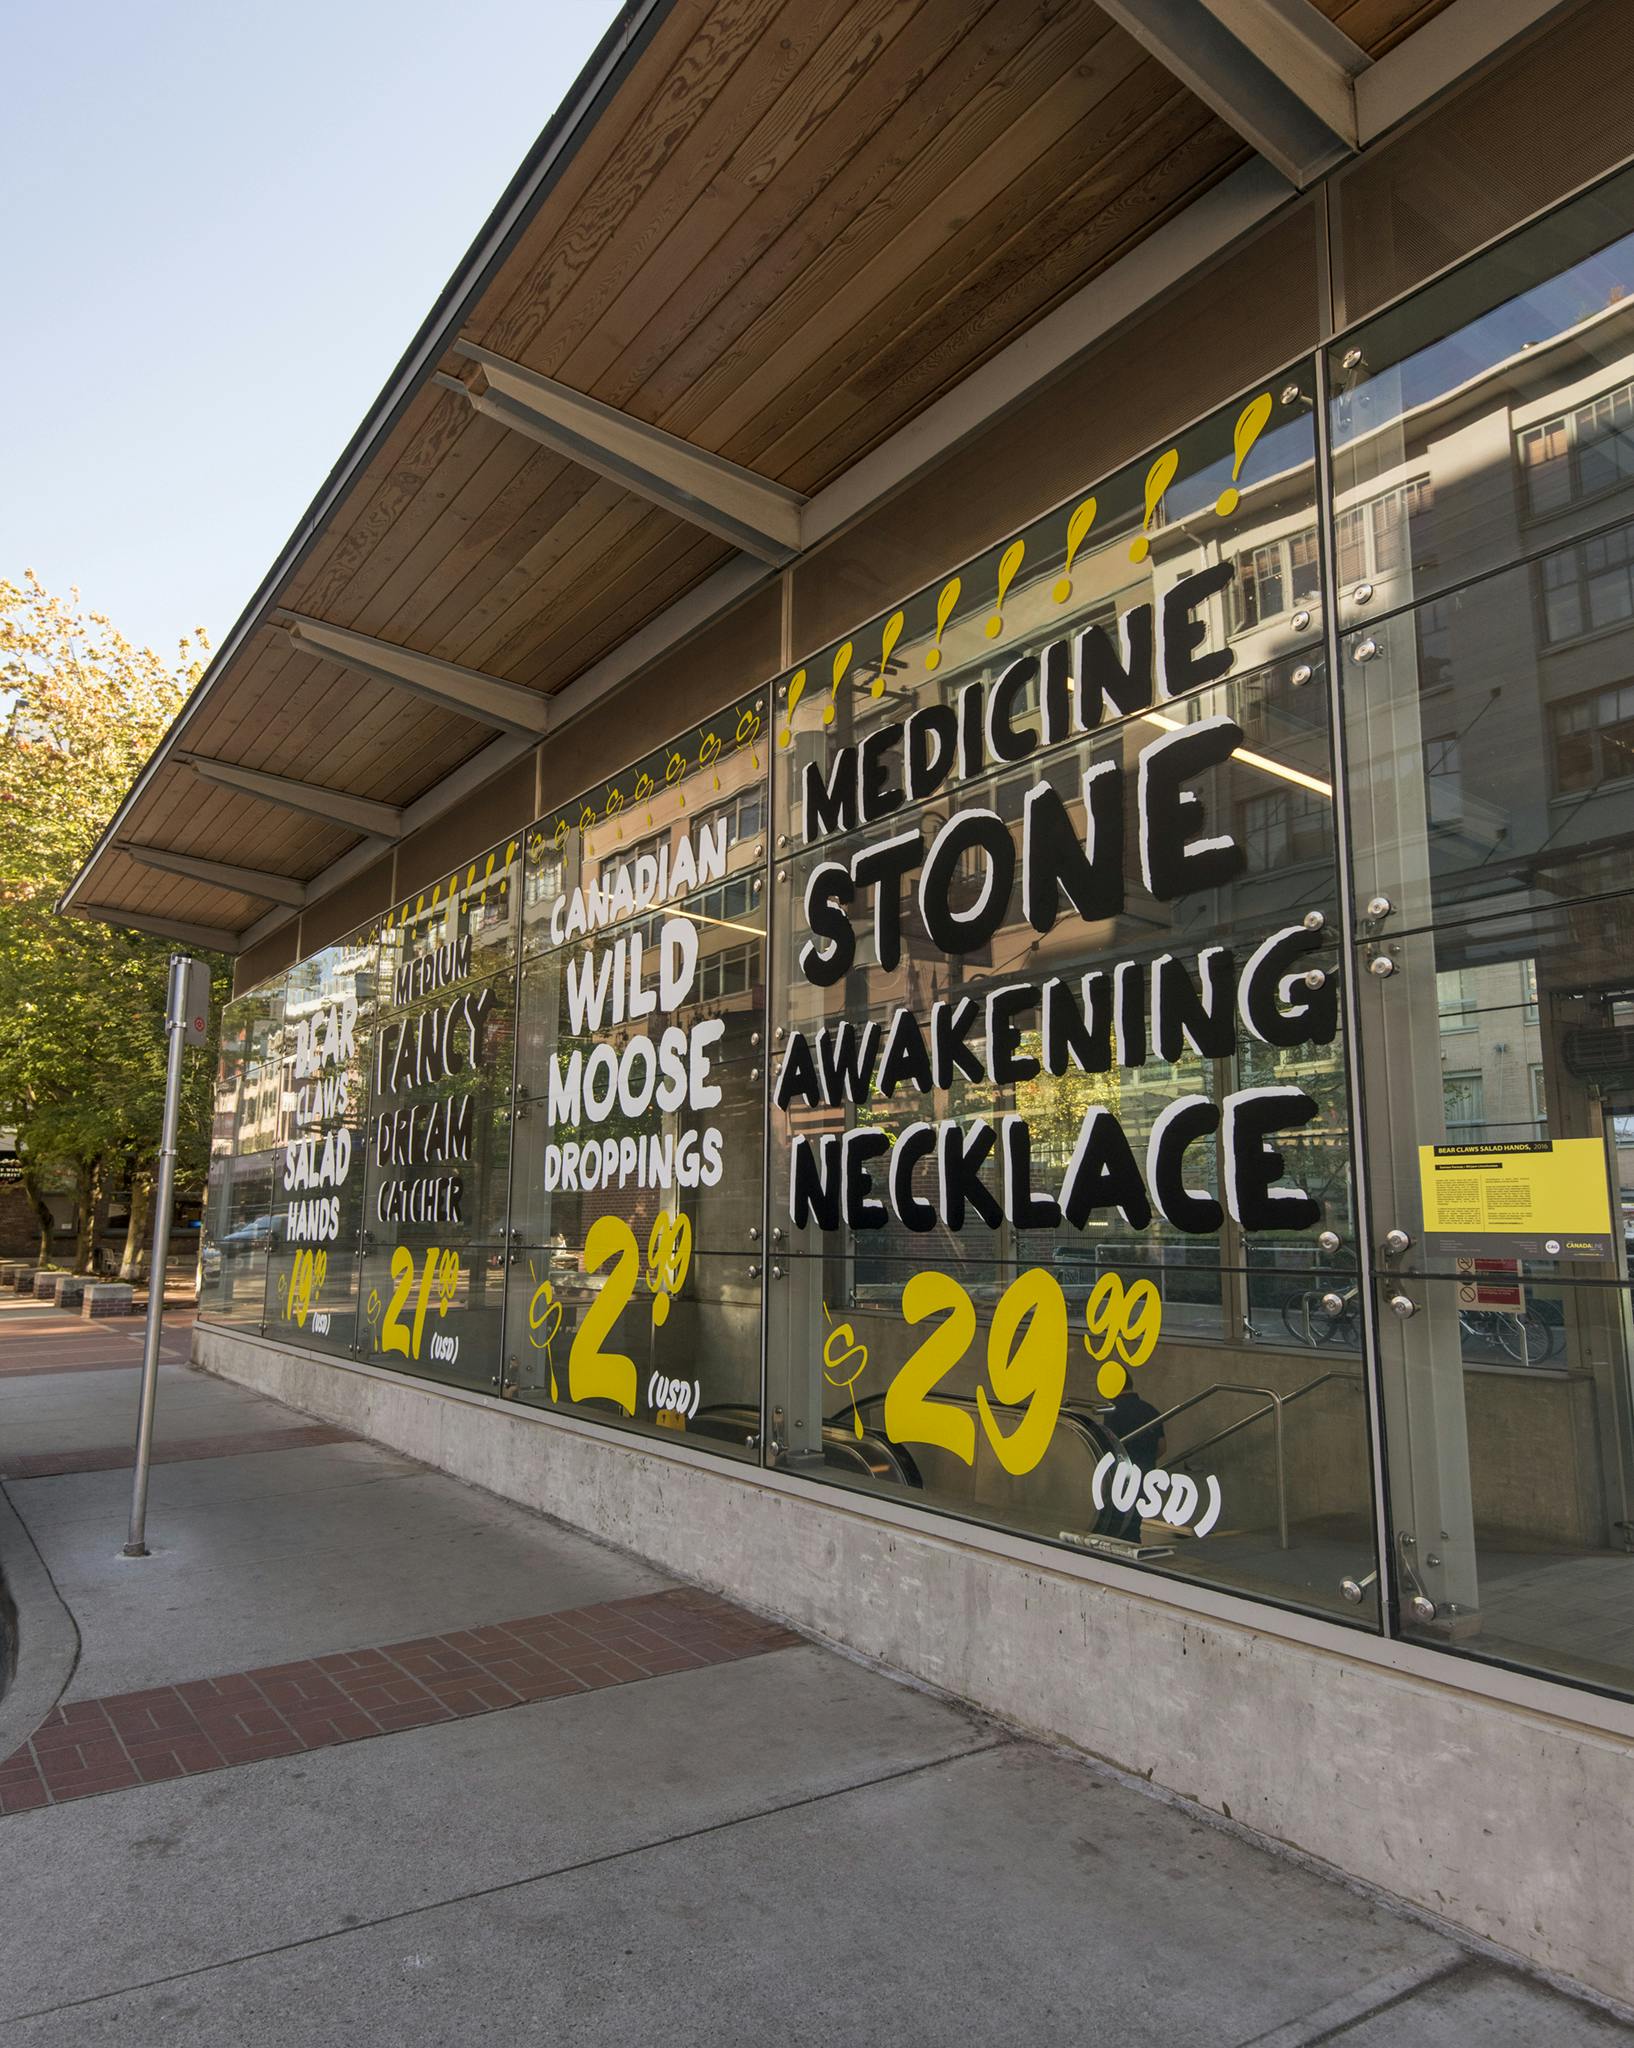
x,y
82,1054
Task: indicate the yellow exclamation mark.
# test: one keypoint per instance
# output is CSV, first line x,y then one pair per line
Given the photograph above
x,y
1077,526
797,689
888,639
1009,563
1250,425
1158,479
840,661
944,611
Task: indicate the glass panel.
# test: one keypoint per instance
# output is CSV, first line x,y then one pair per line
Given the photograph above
x,y
684,1116
327,1047
1496,1003
689,817
1491,415
439,1117
1029,1000
1493,769
435,1311
1508,1411
238,1204
668,1344
435,1208
637,1186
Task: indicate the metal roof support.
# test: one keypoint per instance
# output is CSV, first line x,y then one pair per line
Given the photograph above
x,y
221,874
338,806
1278,71
208,938
485,698
761,517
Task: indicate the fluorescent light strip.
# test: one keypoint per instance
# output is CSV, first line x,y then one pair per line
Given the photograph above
x,y
1253,760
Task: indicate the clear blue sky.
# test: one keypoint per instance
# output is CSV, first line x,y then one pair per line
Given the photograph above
x,y
222,226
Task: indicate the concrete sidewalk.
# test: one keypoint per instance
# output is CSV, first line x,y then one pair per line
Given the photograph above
x,y
361,1754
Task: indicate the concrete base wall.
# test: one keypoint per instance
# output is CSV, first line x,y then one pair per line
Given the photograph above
x,y
1508,1816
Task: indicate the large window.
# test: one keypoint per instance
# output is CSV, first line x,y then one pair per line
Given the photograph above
x,y
1581,453
1375,539
1274,578
1589,587
1593,738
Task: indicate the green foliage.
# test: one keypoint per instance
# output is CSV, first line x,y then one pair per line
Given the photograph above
x,y
82,1051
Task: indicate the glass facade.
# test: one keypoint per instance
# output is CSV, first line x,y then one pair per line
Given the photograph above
x,y
1133,1045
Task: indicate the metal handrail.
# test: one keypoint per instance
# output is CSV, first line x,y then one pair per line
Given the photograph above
x,y
1275,1404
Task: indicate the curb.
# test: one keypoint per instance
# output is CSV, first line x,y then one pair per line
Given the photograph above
x,y
41,1645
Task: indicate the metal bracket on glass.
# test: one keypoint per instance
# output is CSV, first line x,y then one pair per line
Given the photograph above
x,y
1355,1589
1419,1604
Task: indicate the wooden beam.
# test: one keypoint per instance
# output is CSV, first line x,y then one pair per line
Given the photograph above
x,y
338,806
221,874
1278,71
755,514
466,690
208,938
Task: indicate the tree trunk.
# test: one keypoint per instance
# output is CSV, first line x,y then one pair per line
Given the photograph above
x,y
43,1215
90,1196
139,1230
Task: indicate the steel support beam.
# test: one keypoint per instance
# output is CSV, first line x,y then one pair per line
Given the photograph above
x,y
761,517
1278,71
220,874
208,938
338,806
485,698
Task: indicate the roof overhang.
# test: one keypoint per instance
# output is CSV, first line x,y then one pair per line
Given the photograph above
x,y
733,299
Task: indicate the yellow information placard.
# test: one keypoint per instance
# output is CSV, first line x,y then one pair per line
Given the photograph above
x,y
1547,1196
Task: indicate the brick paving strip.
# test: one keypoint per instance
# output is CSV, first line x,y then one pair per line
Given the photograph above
x,y
210,1724
54,1343
110,1457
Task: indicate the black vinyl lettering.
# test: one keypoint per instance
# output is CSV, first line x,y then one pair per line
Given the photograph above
x,y
1183,668
863,1209
881,867
831,805
846,1057
932,748
966,832
906,1062
1185,1016
1006,1062
915,1143
1078,1034
960,1157
1053,860
1252,1167
1103,1174
1311,1016
1004,743
950,1027
1174,857
879,795
828,887
1026,1208
1180,1124
1120,675
1055,691
797,1078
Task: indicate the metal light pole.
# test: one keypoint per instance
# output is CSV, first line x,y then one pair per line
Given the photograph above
x,y
187,1022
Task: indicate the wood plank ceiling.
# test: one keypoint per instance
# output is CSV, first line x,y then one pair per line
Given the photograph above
x,y
795,224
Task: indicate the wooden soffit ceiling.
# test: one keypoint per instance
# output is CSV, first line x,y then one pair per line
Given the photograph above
x,y
779,232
